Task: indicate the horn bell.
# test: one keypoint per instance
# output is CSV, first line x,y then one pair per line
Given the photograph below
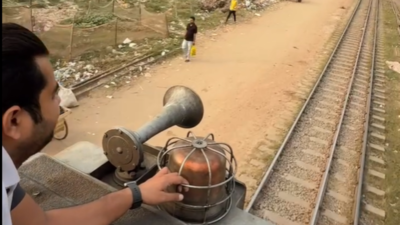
x,y
123,147
192,107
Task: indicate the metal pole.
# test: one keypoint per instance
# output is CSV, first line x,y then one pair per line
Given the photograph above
x,y
71,40
166,24
116,32
30,14
140,13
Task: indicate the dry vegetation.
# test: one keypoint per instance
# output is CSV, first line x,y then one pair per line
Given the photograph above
x,y
392,53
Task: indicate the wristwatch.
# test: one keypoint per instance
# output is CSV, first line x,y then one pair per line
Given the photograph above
x,y
136,194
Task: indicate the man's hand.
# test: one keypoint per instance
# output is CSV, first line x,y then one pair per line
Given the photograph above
x,y
154,189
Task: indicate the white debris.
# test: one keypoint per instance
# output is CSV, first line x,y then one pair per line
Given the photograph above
x,y
67,97
132,45
77,76
127,41
109,96
395,66
77,71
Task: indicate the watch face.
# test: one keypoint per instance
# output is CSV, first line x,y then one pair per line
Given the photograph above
x,y
128,183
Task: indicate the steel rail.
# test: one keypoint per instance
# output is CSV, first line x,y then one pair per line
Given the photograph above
x,y
322,190
290,132
357,210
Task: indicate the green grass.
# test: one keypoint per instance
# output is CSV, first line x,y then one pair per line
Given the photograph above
x,y
392,53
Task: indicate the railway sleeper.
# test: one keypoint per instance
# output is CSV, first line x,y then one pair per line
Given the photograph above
x,y
361,85
378,126
336,80
378,103
377,147
358,99
374,210
343,65
379,96
380,71
379,85
330,104
362,67
365,73
378,160
378,119
332,87
345,55
357,91
363,79
339,76
323,90
357,105
347,154
379,90
332,216
378,110
373,190
376,174
352,41
381,80
379,57
364,64
374,136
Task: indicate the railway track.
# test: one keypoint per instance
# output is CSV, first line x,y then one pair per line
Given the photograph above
x,y
314,175
83,88
337,202
370,191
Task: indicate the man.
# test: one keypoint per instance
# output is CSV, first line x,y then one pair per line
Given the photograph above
x,y
232,11
190,39
30,109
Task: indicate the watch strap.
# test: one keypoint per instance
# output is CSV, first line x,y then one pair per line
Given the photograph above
x,y
136,194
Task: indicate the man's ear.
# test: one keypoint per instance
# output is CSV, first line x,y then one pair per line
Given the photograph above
x,y
11,121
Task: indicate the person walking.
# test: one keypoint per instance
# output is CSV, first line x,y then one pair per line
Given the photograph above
x,y
232,11
190,38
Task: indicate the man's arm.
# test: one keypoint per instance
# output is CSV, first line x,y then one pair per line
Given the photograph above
x,y
103,211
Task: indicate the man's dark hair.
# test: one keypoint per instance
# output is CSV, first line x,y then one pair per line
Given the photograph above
x,y
22,79
192,17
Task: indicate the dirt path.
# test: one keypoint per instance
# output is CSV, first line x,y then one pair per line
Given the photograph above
x,y
247,75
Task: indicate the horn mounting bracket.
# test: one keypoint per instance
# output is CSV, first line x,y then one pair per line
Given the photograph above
x,y
123,149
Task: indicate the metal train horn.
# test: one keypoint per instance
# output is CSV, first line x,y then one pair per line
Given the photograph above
x,y
124,149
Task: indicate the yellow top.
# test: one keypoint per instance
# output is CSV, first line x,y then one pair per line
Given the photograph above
x,y
233,5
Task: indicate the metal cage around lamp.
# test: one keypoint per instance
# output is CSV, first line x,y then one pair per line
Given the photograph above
x,y
210,168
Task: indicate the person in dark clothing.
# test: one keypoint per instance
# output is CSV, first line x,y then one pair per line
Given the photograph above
x,y
190,38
